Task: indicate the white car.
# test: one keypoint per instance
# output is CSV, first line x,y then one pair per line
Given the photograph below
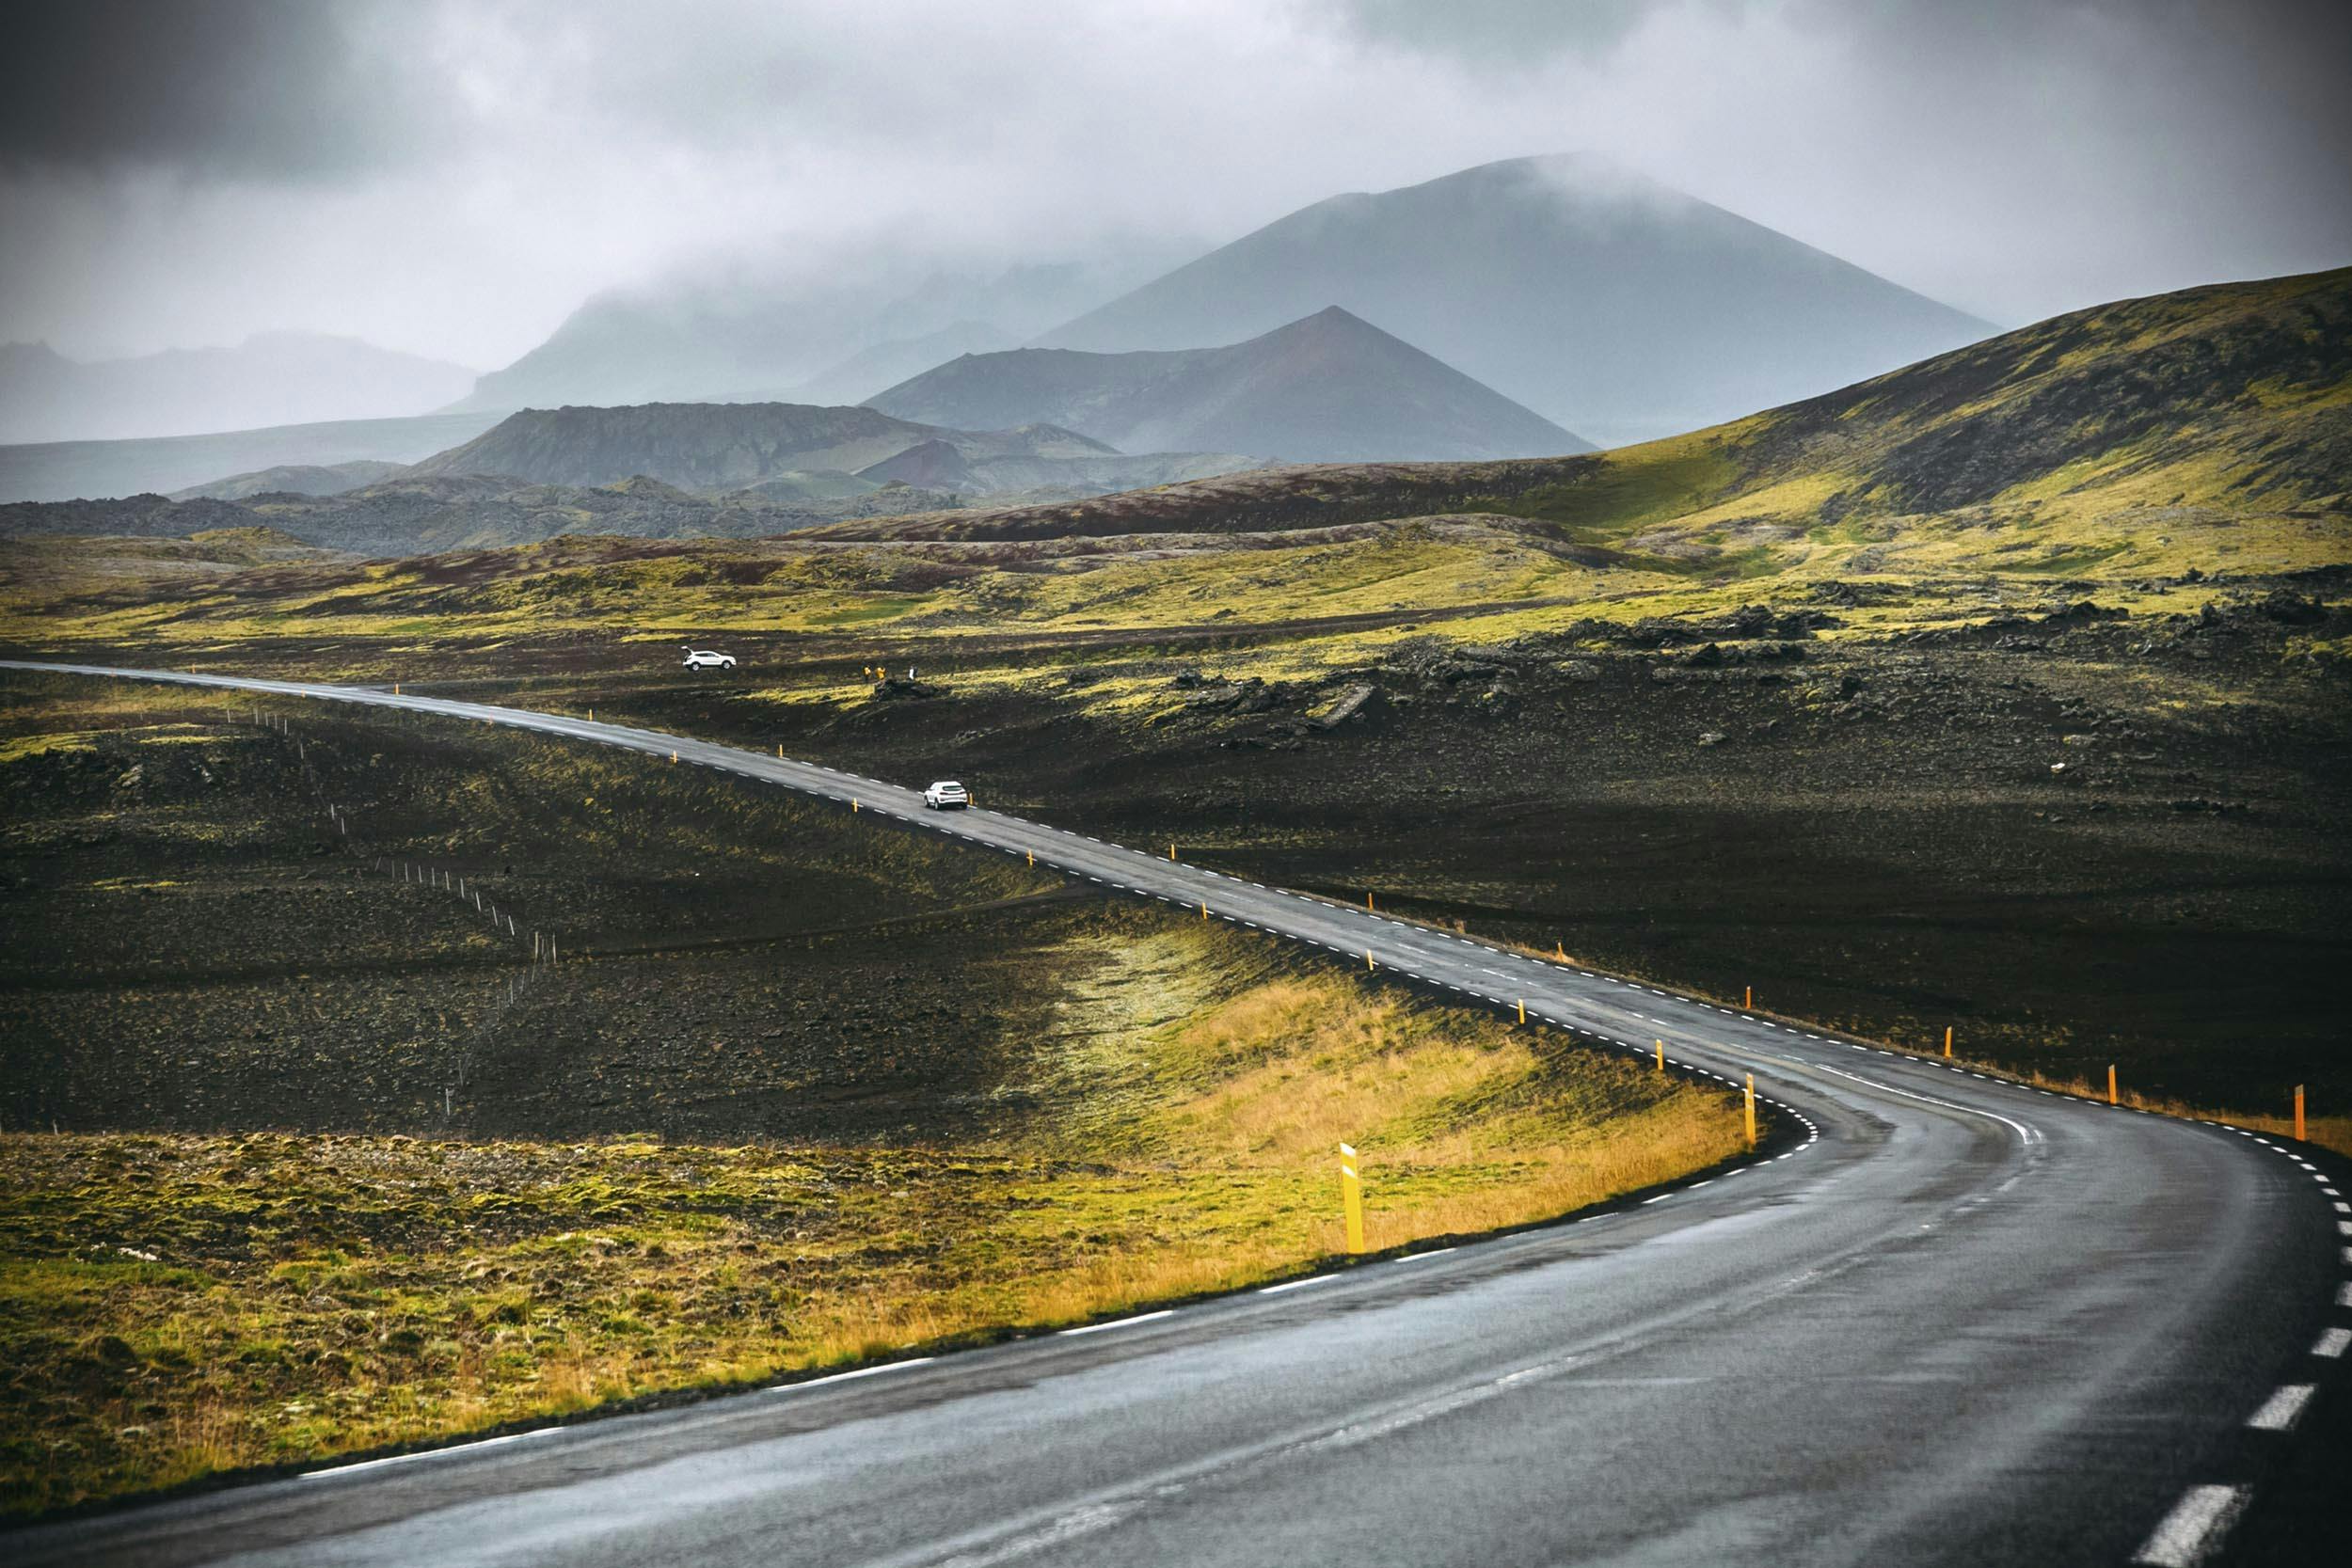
x,y
708,658
946,795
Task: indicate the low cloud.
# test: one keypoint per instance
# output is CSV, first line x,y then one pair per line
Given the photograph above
x,y
452,179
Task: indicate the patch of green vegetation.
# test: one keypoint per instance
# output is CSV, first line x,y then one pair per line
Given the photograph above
x,y
1634,486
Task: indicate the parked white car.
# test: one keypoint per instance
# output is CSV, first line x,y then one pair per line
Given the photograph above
x,y
946,795
709,658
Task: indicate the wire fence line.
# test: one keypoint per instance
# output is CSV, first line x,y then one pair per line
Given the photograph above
x,y
544,948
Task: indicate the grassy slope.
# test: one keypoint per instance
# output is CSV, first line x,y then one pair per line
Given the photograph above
x,y
178,1302
172,1304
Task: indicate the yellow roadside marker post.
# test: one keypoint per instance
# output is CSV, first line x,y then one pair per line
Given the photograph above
x,y
2298,1113
854,805
1751,998
1661,1055
1205,909
1948,1040
1172,850
1369,965
1522,1010
2111,1083
1560,951
1032,854
674,758
1352,1197
779,750
1368,909
1751,1110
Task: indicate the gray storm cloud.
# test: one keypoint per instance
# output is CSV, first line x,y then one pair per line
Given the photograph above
x,y
246,90
454,178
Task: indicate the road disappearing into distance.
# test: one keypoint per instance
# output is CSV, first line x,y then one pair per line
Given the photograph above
x,y
1938,1318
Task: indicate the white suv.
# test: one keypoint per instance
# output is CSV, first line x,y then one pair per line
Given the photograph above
x,y
706,659
946,795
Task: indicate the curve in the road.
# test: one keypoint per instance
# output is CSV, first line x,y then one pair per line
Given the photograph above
x,y
1953,1319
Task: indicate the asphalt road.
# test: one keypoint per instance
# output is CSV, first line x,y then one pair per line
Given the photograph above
x,y
1939,1319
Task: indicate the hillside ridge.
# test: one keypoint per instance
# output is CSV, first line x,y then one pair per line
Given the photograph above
x,y
1329,387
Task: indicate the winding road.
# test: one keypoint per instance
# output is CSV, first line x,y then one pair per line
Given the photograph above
x,y
1938,1317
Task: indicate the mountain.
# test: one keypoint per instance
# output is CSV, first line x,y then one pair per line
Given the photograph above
x,y
270,378
2093,437
871,370
409,516
863,322
296,479
63,470
1606,302
1332,387
727,446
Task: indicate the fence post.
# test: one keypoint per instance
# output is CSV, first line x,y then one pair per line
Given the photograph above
x,y
1352,1197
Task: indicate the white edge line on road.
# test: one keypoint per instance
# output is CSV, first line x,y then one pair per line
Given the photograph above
x,y
2027,1133
426,1453
1296,1284
844,1377
1121,1323
2194,1527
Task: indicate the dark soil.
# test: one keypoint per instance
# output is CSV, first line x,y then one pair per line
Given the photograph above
x,y
186,944
2076,837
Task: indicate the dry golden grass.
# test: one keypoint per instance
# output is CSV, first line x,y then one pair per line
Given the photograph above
x,y
311,1296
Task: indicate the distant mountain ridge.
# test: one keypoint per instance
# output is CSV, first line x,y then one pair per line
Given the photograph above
x,y
272,378
1605,302
715,447
2073,435
293,478
2072,438
864,323
69,471
1329,388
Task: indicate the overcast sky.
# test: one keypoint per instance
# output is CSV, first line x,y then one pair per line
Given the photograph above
x,y
453,178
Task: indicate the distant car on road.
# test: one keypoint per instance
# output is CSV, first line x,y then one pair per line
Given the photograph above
x,y
946,795
709,658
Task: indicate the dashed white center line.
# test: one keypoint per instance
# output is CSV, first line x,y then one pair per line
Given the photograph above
x,y
2190,1532
2332,1343
2283,1408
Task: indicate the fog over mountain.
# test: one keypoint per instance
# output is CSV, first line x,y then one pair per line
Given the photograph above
x,y
756,334
1603,300
728,198
271,378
